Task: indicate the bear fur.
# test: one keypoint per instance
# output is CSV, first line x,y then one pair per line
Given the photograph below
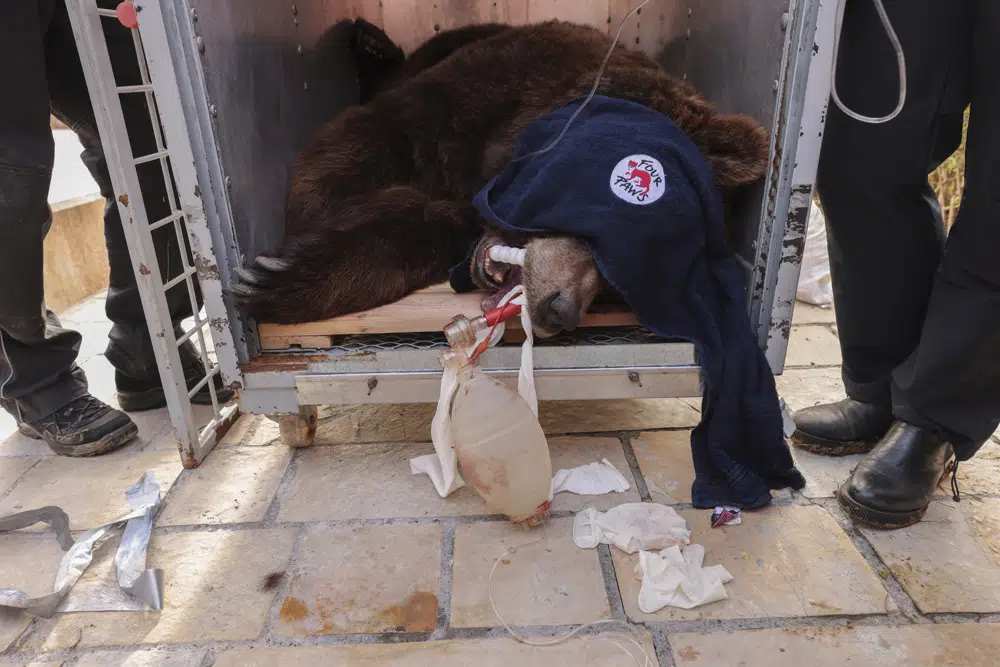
x,y
380,202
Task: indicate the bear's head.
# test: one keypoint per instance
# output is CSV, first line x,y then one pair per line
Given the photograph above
x,y
561,278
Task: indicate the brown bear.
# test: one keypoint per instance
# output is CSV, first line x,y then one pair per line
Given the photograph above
x,y
380,202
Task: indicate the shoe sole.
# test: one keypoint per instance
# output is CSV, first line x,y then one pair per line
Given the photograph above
x,y
110,443
154,399
817,445
877,518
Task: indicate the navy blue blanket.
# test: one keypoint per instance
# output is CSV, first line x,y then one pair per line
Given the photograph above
x,y
627,180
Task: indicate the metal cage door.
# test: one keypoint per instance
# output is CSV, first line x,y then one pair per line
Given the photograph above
x,y
187,219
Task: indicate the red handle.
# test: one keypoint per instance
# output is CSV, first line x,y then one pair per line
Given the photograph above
x,y
502,314
127,15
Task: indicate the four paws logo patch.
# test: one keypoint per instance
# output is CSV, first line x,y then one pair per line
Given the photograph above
x,y
638,179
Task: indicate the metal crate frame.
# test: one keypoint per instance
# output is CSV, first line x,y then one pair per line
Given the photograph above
x,y
187,212
291,384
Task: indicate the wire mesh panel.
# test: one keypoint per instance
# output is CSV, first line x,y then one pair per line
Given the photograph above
x,y
184,350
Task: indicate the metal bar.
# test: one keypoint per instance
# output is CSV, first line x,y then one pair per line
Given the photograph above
x,y
189,271
149,158
551,384
175,71
771,245
203,351
154,119
144,88
373,360
110,13
803,179
201,383
198,324
96,61
166,221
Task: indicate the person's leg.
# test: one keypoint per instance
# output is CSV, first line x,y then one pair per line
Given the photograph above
x,y
40,383
884,225
951,382
130,349
946,395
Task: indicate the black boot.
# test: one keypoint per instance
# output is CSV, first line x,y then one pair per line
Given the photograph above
x,y
137,378
839,429
85,427
140,395
894,484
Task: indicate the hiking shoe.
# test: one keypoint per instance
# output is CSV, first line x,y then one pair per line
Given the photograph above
x,y
85,427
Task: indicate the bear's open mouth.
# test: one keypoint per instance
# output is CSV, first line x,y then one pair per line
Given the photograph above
x,y
487,274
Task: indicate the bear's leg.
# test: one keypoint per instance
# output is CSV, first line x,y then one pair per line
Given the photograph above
x,y
403,241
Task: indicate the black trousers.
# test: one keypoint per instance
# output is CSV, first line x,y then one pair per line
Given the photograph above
x,y
42,73
918,314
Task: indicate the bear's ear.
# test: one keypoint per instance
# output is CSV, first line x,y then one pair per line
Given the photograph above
x,y
736,146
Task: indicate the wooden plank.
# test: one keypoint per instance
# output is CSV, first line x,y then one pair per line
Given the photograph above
x,y
411,22
590,12
424,311
301,342
652,28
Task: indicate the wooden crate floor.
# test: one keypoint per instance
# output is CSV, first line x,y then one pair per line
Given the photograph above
x,y
428,310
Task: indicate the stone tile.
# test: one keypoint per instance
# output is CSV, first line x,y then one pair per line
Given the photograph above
x,y
558,417
693,403
230,486
572,452
13,443
980,475
824,474
791,561
813,346
88,311
665,462
266,433
240,430
214,591
806,387
548,581
368,481
806,313
145,658
19,663
968,645
950,561
601,650
373,481
91,490
28,563
358,579
11,471
375,423
156,433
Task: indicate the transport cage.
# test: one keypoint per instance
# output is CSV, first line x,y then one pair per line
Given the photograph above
x,y
237,87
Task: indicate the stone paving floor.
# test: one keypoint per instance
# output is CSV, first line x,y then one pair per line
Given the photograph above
x,y
337,555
